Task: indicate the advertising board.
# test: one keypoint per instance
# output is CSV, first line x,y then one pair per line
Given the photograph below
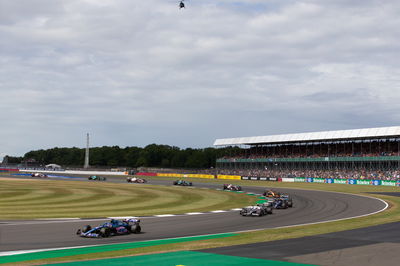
x,y
237,177
287,179
364,182
388,183
340,181
352,181
376,182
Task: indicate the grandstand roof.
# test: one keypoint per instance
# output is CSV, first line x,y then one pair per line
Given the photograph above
x,y
314,136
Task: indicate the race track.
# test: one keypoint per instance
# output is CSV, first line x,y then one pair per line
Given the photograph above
x,y
309,207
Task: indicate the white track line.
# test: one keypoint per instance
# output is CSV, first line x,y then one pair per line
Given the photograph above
x,y
165,215
61,219
123,217
50,221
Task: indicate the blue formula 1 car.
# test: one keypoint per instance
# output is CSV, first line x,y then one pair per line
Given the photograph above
x,y
112,228
280,203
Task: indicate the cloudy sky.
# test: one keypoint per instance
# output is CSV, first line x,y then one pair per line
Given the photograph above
x,y
132,73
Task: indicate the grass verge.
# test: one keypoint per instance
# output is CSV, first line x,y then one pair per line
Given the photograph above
x,y
392,214
32,199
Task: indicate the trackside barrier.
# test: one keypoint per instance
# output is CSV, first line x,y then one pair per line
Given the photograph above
x,y
236,177
260,178
170,175
199,176
391,183
288,179
339,181
177,175
146,174
6,170
347,181
73,172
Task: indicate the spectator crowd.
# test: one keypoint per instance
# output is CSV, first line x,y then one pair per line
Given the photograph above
x,y
359,149
340,174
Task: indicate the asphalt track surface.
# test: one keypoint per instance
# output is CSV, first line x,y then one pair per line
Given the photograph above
x,y
309,207
375,245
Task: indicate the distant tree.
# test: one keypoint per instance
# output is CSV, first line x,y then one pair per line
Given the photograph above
x,y
152,155
12,160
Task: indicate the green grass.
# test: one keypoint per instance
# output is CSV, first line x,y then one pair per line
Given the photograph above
x,y
392,214
31,199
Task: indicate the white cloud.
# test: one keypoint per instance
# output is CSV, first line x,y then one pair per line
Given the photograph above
x,y
137,72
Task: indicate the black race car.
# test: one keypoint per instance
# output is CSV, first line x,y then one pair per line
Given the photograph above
x,y
232,187
96,177
182,183
114,227
288,199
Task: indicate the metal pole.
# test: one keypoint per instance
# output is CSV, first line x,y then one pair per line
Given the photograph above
x,y
86,165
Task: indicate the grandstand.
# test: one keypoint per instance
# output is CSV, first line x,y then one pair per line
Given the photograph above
x,y
364,150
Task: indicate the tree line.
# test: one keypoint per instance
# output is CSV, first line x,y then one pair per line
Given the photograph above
x,y
153,155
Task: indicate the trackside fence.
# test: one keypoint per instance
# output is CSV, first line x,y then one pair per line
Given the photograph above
x,y
284,179
8,170
392,183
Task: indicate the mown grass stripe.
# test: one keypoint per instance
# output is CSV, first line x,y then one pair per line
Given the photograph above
x,y
192,258
104,248
70,199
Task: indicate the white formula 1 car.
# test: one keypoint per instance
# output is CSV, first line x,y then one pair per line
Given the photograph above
x,y
41,175
135,180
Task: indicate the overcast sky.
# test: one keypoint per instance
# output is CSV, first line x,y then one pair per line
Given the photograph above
x,y
132,73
